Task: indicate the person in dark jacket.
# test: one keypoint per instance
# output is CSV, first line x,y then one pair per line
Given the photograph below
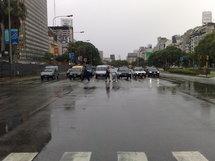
x,y
85,74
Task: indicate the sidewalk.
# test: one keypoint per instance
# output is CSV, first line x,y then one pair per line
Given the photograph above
x,y
188,78
8,80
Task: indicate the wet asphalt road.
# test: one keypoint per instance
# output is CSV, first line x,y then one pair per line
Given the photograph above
x,y
152,116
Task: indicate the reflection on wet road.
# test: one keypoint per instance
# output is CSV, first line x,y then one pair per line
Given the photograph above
x,y
152,116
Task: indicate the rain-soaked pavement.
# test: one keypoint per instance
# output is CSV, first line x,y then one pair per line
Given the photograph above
x,y
152,116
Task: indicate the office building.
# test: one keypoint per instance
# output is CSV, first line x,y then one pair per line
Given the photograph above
x,y
101,54
64,35
34,32
206,17
132,57
112,57
162,43
55,47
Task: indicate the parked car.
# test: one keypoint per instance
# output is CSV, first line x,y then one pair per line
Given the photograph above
x,y
101,71
124,72
50,72
139,72
153,72
76,72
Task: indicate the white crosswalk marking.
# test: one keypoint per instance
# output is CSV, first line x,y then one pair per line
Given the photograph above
x,y
76,156
20,157
132,156
189,156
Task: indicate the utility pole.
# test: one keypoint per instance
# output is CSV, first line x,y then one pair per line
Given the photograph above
x,y
10,44
206,70
54,8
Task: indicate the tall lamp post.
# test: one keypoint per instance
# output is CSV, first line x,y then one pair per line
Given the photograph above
x,y
10,44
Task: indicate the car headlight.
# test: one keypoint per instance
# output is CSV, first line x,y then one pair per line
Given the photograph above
x,y
150,71
158,72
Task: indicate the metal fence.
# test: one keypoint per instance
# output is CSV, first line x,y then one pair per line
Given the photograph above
x,y
18,69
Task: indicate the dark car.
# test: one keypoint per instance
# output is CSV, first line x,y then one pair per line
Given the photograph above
x,y
153,72
124,72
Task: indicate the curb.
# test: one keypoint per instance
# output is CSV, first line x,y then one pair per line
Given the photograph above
x,y
179,78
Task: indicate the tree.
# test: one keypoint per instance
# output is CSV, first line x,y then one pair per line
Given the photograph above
x,y
18,14
86,50
119,63
205,48
63,58
139,62
48,57
167,57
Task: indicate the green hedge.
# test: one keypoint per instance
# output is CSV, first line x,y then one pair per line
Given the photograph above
x,y
186,71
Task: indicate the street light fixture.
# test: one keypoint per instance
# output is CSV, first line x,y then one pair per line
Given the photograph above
x,y
80,32
60,17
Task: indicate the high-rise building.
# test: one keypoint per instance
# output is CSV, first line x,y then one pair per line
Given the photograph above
x,y
162,43
34,31
112,57
132,57
101,54
206,17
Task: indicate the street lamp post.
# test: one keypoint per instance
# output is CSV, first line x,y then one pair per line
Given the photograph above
x,y
207,70
10,44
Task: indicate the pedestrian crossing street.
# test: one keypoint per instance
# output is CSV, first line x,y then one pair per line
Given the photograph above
x,y
122,156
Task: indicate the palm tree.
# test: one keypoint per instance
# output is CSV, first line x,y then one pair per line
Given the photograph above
x,y
18,14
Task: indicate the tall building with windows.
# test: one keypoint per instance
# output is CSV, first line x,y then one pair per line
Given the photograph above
x,y
206,17
34,31
64,35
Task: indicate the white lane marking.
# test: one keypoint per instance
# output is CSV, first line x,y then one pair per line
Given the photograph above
x,y
76,156
131,156
189,156
20,157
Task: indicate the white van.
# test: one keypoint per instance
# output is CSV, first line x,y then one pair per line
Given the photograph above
x,y
101,71
50,72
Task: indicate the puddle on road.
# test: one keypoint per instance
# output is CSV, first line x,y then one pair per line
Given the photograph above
x,y
198,90
11,122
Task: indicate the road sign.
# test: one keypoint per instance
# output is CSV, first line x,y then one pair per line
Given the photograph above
x,y
6,37
14,36
85,60
72,56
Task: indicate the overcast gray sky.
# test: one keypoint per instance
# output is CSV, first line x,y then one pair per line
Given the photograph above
x,y
121,26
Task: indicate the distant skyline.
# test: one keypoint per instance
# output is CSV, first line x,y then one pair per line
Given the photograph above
x,y
121,26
